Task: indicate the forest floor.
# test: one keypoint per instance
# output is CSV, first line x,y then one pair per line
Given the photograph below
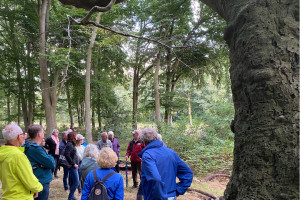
x,y
216,187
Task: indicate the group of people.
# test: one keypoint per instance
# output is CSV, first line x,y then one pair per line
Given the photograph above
x,y
26,172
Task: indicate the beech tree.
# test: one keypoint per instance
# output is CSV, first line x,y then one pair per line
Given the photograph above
x,y
263,37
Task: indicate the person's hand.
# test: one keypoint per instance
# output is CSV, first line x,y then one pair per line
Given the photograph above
x,y
76,166
126,157
35,195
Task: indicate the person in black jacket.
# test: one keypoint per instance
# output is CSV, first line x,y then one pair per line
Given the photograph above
x,y
72,158
52,144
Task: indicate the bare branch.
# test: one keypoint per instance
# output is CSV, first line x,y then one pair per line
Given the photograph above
x,y
97,9
145,72
119,32
204,193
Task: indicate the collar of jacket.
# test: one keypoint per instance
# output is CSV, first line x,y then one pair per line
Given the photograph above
x,y
30,143
138,141
151,145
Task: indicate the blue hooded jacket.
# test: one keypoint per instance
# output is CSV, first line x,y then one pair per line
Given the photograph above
x,y
41,162
160,167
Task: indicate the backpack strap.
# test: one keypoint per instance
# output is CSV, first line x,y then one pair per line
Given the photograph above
x,y
95,176
107,176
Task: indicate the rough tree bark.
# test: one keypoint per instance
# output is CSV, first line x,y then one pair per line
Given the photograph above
x,y
88,127
263,37
156,87
69,106
49,91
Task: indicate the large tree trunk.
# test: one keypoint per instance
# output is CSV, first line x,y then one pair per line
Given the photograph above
x,y
70,106
156,91
263,37
48,93
88,127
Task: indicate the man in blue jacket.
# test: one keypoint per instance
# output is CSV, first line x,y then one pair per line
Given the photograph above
x,y
41,162
160,167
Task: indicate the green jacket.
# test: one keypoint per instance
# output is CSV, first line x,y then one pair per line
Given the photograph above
x,y
18,180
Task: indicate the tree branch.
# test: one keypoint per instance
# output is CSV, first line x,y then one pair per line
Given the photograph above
x,y
145,72
217,6
119,32
204,193
97,9
211,177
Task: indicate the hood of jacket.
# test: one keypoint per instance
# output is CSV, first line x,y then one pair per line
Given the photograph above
x,y
151,145
87,162
9,151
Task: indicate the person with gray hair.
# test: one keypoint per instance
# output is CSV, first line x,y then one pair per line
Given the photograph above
x,y
115,147
160,168
104,142
114,184
18,180
52,144
89,161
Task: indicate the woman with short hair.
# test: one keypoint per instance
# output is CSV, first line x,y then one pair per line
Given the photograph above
x,y
114,184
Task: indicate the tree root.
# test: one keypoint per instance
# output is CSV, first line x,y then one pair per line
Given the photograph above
x,y
204,193
211,177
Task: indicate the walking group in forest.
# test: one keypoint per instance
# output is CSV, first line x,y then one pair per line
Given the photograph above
x,y
28,166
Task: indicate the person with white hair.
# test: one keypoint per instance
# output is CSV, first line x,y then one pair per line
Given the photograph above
x,y
89,161
104,142
114,183
115,147
16,175
135,146
160,168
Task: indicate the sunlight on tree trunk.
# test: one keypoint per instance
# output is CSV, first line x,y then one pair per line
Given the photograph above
x,y
156,87
88,127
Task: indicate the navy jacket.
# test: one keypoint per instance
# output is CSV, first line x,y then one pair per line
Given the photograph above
x,y
114,184
71,154
41,162
160,167
62,145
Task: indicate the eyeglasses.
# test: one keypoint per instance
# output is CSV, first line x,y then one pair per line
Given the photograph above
x,y
23,133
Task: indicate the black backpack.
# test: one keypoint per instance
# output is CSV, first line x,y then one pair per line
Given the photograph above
x,y
99,191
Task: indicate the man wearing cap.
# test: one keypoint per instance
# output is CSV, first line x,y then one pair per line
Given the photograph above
x,y
135,146
80,149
